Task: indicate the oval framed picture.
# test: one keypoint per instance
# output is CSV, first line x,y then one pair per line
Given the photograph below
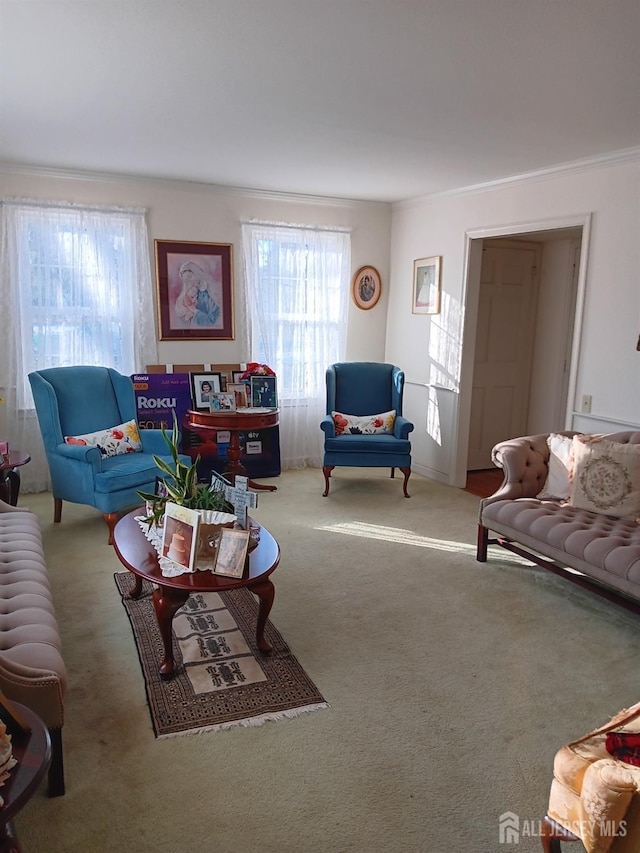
x,y
366,287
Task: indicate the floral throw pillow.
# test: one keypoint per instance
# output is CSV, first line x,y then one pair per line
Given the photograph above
x,y
606,476
124,438
365,424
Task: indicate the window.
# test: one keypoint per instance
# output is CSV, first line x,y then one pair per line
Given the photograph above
x,y
297,283
76,287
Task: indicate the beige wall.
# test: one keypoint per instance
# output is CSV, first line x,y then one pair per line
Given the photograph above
x,y
608,366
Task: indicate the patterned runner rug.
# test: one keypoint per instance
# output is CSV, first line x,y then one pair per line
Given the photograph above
x,y
222,679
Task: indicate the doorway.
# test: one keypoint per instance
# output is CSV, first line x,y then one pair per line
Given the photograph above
x,y
554,330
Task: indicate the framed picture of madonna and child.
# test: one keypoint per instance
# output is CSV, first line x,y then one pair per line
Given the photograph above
x,y
195,282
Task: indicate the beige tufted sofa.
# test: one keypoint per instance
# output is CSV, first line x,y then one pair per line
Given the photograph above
x,y
605,551
32,671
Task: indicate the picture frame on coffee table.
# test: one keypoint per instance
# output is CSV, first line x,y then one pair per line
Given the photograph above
x,y
180,535
232,551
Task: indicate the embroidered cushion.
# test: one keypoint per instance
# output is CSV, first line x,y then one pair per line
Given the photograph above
x,y
124,438
558,483
364,425
606,476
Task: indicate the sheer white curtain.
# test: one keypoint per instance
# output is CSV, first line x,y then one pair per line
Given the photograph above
x,y
297,289
75,288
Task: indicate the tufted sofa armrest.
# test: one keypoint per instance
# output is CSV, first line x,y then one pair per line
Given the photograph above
x,y
525,462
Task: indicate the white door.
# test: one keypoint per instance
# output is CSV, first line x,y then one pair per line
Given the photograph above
x,y
504,346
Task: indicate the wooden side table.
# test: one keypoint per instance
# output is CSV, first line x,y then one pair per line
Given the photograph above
x,y
236,422
32,751
10,476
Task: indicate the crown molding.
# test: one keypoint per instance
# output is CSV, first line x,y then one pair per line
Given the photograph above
x,y
184,185
612,158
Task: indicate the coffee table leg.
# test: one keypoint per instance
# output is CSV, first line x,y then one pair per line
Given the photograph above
x,y
266,592
166,601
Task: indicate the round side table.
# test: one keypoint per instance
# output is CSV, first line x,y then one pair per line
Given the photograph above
x,y
10,476
32,751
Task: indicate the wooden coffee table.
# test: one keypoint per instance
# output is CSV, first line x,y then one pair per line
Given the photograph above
x,y
10,476
137,554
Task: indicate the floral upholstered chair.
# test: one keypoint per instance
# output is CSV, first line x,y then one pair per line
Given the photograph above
x,y
595,796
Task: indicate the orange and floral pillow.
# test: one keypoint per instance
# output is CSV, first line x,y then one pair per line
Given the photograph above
x,y
124,438
364,425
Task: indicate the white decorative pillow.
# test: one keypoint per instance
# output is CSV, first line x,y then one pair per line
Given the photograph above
x,y
365,425
124,438
606,476
558,483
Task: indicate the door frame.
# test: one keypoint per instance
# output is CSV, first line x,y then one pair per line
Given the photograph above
x,y
470,297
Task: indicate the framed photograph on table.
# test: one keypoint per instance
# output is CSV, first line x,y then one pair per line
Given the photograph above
x,y
203,387
366,287
239,390
195,291
232,552
180,535
223,402
426,285
263,392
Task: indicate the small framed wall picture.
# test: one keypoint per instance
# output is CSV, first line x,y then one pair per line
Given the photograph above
x,y
426,285
366,287
203,387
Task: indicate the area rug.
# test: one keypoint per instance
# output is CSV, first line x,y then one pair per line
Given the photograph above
x,y
222,680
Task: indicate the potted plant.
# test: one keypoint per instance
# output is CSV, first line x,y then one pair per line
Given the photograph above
x,y
181,486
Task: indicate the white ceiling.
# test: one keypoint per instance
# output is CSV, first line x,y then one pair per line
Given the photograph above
x,y
367,99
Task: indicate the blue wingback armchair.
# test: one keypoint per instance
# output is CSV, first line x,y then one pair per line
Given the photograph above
x,y
361,388
80,400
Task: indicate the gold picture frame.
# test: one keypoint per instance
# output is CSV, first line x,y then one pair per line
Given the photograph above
x,y
366,287
426,285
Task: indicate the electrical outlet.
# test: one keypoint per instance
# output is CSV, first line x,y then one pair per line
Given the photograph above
x,y
586,403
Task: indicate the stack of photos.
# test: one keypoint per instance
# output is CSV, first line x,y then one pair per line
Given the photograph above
x,y
263,392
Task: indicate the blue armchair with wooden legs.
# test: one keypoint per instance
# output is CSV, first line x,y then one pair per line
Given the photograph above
x,y
84,400
364,426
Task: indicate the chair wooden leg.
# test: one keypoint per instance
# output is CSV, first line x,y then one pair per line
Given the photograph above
x,y
407,473
326,470
56,769
551,833
57,510
111,518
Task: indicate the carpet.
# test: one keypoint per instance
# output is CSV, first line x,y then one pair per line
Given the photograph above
x,y
222,680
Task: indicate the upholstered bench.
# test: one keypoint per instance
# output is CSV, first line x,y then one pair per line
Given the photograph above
x,y
32,671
